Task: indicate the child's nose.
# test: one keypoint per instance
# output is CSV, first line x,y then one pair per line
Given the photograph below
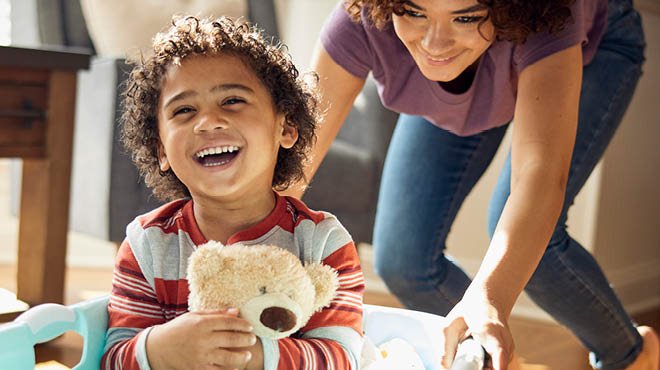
x,y
210,121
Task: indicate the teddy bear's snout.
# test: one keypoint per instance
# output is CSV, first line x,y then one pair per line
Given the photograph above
x,y
278,318
273,315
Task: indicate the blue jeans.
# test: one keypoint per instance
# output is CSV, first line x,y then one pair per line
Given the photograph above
x,y
429,172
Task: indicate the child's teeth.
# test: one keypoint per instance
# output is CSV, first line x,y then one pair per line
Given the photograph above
x,y
218,150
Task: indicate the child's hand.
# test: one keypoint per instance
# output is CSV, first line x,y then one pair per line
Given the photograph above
x,y
201,340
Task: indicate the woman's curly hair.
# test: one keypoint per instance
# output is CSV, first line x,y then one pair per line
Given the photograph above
x,y
514,20
292,94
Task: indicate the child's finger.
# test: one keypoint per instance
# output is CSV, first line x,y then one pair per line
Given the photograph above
x,y
228,311
231,323
230,358
231,311
233,339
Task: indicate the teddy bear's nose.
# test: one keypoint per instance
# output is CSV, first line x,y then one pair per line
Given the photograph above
x,y
278,318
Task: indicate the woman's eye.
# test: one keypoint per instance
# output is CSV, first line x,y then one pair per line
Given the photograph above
x,y
413,13
468,19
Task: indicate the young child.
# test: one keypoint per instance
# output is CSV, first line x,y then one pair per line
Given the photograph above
x,y
216,121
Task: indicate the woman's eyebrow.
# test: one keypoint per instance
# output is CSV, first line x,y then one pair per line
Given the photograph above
x,y
469,9
413,5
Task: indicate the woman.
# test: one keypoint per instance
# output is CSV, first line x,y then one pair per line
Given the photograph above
x,y
561,73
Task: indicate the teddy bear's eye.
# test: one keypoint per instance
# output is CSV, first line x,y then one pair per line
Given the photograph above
x,y
262,290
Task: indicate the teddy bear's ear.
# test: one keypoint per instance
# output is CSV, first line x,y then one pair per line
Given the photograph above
x,y
325,282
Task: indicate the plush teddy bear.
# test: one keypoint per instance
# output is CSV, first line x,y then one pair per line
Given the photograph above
x,y
268,284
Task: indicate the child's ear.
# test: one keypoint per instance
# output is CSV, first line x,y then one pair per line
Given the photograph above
x,y
289,135
162,158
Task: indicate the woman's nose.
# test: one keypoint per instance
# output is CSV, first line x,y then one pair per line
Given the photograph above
x,y
438,39
210,121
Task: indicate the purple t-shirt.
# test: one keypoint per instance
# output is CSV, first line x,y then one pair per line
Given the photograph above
x,y
361,48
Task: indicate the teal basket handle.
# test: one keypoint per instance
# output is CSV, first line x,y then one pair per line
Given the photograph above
x,y
36,325
48,321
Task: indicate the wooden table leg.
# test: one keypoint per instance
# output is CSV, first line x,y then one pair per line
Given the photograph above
x,y
44,209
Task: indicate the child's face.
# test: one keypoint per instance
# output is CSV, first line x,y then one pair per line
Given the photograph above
x,y
443,36
216,104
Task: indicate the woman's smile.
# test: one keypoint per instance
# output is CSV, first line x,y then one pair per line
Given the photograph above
x,y
440,61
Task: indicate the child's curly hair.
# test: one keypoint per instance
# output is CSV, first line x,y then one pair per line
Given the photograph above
x,y
295,98
514,20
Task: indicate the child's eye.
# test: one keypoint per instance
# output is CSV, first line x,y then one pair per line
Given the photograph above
x,y
232,101
183,110
468,19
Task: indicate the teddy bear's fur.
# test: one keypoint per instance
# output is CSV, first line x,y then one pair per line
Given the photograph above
x,y
269,285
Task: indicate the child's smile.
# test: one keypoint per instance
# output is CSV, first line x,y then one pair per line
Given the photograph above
x,y
219,130
217,156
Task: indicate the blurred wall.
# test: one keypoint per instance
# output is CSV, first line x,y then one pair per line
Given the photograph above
x,y
24,17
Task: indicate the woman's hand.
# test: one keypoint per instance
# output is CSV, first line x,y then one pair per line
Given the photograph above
x,y
201,340
481,319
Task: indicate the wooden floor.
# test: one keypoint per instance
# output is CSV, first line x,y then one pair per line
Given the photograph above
x,y
542,346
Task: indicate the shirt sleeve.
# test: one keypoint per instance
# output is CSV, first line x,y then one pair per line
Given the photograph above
x,y
133,307
347,43
332,338
540,45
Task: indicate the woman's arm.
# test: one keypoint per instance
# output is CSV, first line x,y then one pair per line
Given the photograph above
x,y
544,130
338,89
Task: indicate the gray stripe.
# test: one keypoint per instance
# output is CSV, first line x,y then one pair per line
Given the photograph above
x,y
350,340
114,335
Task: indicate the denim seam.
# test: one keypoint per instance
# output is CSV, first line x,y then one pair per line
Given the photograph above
x,y
441,291
453,203
443,230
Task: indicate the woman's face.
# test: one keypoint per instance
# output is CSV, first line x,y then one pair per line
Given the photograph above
x,y
444,36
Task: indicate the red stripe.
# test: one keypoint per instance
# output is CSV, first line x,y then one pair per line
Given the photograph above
x,y
172,294
161,214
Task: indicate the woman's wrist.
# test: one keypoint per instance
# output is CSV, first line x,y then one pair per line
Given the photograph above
x,y
485,295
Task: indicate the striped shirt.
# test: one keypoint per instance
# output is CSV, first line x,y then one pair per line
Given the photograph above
x,y
150,287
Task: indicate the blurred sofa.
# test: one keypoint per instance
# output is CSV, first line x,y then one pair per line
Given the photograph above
x,y
106,191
